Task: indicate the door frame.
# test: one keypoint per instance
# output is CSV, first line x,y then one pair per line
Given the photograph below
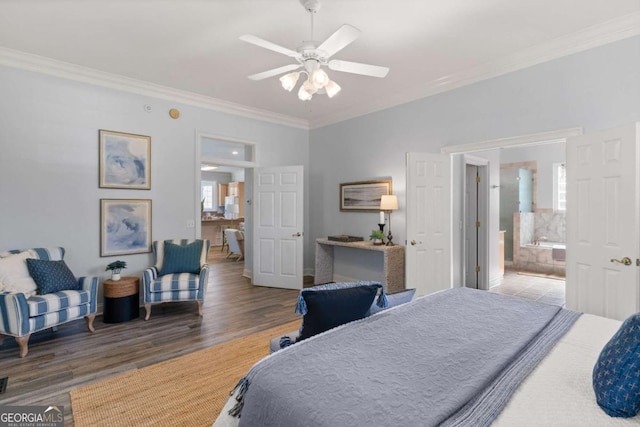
x,y
222,162
539,138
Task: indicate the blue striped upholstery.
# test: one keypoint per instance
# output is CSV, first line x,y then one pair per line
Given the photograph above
x,y
178,286
21,317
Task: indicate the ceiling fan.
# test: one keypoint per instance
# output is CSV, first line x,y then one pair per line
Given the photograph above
x,y
313,56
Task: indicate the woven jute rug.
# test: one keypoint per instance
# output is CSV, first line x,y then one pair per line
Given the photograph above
x,y
189,390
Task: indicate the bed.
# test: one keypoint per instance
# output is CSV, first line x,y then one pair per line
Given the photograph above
x,y
455,358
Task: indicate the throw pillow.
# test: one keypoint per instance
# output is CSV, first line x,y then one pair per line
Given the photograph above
x,y
616,375
52,276
14,274
181,258
327,309
301,307
394,299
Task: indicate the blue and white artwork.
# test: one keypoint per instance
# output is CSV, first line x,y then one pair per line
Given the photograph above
x,y
126,226
124,160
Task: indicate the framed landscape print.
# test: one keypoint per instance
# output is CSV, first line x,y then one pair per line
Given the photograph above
x,y
363,196
125,160
125,226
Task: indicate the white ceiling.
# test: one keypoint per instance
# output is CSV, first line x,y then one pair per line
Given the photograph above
x,y
193,46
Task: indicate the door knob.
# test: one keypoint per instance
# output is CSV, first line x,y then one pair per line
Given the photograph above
x,y
413,243
626,260
298,234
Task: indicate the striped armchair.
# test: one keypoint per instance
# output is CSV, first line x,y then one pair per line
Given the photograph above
x,y
175,286
21,316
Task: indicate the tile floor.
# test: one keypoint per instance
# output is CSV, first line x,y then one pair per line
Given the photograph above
x,y
547,290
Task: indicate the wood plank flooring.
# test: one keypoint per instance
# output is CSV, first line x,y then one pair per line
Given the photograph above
x,y
60,361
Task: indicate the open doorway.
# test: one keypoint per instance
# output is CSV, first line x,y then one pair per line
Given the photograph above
x,y
224,169
495,151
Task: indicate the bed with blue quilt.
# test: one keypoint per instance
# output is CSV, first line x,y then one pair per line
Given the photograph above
x,y
459,357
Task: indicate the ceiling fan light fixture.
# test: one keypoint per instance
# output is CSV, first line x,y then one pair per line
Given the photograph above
x,y
290,80
332,88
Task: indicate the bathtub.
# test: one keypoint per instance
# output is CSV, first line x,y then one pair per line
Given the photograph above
x,y
545,257
548,245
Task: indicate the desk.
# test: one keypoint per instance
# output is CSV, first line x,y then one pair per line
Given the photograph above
x,y
393,264
121,300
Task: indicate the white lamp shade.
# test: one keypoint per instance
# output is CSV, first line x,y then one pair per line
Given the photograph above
x,y
389,203
303,95
332,88
319,78
289,80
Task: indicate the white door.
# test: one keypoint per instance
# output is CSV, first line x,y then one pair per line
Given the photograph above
x,y
277,228
428,261
602,222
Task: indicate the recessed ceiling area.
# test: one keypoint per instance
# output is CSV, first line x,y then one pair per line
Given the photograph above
x,y
194,46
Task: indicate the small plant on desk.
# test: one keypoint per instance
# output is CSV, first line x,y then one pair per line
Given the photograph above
x,y
377,237
116,267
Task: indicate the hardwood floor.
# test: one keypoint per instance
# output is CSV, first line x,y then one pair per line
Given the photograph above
x,y
60,361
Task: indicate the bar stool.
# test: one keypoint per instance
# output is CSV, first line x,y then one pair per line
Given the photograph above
x,y
224,238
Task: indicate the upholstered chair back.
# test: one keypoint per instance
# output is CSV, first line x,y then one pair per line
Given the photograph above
x,y
47,254
158,250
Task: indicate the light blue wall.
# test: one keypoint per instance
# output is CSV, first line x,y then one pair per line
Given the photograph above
x,y
596,89
49,162
49,148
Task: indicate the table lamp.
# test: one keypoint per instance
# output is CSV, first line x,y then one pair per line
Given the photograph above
x,y
389,203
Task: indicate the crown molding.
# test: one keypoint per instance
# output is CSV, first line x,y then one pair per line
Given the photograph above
x,y
591,37
39,64
598,35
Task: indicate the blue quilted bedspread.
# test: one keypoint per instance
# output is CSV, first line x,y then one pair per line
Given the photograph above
x,y
453,357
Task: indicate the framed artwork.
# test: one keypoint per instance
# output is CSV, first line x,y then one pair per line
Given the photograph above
x,y
125,160
125,226
363,196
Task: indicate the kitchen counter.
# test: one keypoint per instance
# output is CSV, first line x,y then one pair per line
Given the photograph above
x,y
212,229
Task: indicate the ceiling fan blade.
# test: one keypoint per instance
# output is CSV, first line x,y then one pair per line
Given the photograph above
x,y
339,40
358,68
274,72
268,45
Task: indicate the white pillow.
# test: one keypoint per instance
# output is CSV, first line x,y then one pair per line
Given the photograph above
x,y
14,274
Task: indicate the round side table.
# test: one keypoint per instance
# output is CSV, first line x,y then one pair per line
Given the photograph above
x,y
121,300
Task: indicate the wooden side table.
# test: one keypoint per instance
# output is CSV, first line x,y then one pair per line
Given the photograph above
x,y
121,300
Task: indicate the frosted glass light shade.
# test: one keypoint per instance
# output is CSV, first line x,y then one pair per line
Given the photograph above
x,y
332,88
319,78
303,95
289,80
389,203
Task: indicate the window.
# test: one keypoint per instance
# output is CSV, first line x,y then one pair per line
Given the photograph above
x,y
207,195
559,187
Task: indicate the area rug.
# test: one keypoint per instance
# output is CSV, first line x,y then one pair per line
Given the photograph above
x,y
189,390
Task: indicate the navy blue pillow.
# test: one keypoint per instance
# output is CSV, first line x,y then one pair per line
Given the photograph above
x,y
181,258
393,299
616,376
329,308
51,276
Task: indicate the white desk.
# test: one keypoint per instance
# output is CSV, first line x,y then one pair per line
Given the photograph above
x,y
393,262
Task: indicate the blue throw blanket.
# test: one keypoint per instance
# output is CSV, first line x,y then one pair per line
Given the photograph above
x,y
454,357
